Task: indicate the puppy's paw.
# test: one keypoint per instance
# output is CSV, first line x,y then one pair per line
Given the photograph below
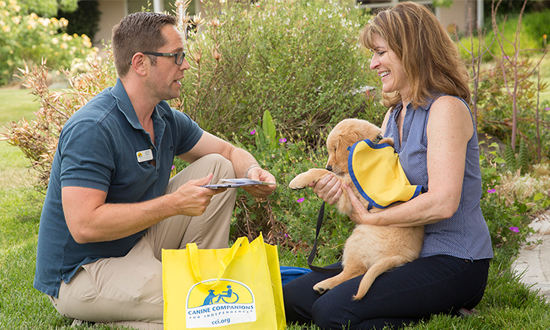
x,y
320,288
357,297
304,179
299,182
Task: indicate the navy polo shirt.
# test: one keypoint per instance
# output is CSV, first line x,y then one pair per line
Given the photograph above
x,y
103,146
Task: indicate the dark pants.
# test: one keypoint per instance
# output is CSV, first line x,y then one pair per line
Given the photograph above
x,y
404,295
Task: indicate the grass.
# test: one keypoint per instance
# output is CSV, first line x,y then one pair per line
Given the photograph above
x,y
25,106
508,304
545,77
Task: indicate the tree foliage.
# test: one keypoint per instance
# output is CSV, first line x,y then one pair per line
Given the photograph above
x,y
47,8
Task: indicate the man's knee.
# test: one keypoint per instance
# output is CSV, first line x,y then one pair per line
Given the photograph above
x,y
216,164
219,164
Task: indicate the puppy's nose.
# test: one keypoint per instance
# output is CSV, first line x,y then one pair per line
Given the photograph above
x,y
329,168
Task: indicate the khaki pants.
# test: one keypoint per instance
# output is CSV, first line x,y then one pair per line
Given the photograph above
x,y
128,290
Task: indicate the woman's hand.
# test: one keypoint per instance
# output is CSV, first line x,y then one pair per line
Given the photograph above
x,y
328,189
359,214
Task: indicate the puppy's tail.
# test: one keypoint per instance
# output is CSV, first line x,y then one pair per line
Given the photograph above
x,y
375,270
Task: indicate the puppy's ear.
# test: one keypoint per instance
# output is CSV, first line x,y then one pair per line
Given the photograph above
x,y
342,152
387,140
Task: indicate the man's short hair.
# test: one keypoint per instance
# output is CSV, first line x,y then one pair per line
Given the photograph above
x,y
138,32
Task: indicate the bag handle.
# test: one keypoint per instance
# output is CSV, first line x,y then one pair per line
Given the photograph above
x,y
224,263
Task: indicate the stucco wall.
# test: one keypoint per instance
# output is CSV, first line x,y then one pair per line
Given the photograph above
x,y
460,13
112,11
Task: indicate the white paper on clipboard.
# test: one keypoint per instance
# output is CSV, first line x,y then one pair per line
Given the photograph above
x,y
234,183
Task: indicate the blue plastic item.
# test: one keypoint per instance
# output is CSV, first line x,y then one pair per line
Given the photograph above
x,y
290,273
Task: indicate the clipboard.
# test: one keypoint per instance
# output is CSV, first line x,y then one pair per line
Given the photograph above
x,y
235,183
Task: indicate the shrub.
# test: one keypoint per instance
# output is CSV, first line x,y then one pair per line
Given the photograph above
x,y
288,217
507,225
300,60
84,20
29,38
536,24
495,105
47,8
38,138
508,28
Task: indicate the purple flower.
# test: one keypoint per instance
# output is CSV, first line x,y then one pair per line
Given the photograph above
x,y
299,200
547,109
282,140
173,167
492,191
514,229
253,132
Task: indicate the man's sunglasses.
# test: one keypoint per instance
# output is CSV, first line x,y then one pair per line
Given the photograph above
x,y
177,56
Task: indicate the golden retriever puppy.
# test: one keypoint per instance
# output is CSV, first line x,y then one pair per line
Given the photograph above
x,y
370,250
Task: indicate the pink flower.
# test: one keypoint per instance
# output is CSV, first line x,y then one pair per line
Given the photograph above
x,y
173,167
514,229
299,200
253,132
547,109
282,140
492,191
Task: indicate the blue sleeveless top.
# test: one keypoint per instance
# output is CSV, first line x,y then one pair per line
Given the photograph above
x,y
464,235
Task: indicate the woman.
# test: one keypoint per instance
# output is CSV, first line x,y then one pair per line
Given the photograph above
x,y
425,87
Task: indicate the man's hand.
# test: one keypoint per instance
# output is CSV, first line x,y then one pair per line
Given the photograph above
x,y
260,191
192,199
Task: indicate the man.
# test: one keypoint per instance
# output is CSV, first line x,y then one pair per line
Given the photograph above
x,y
111,208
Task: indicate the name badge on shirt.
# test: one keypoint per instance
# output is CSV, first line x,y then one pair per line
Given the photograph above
x,y
144,155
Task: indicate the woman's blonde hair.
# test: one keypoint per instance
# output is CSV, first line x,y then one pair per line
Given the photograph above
x,y
429,57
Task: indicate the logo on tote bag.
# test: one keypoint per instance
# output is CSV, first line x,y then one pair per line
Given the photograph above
x,y
229,302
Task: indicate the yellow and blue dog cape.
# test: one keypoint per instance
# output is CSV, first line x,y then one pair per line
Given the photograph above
x,y
378,176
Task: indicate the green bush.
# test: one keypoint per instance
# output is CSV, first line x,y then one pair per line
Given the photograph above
x,y
527,40
509,198
38,138
508,30
46,8
537,25
495,105
30,38
288,217
84,20
300,60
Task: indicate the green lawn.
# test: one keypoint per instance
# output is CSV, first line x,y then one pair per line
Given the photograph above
x,y
26,105
545,77
508,304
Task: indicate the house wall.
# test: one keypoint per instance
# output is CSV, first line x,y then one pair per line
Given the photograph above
x,y
112,11
459,15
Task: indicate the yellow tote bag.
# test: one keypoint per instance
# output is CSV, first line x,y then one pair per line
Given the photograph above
x,y
234,288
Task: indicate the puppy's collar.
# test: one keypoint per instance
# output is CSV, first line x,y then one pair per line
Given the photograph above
x,y
378,138
375,141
